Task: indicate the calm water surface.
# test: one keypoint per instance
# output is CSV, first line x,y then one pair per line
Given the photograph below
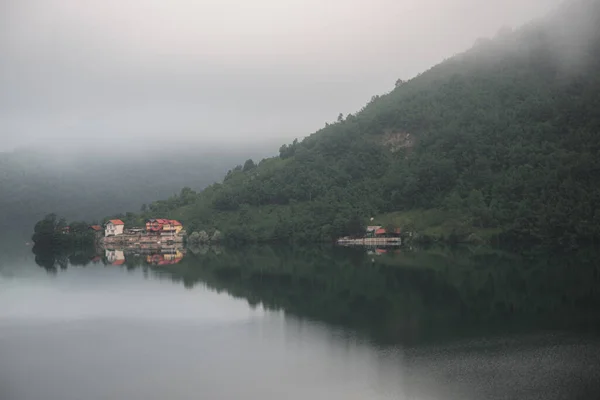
x,y
263,323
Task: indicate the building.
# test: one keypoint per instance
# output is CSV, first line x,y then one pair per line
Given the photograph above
x,y
114,227
163,226
370,231
382,232
96,229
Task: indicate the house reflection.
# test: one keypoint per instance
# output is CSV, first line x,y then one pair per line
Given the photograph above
x,y
115,257
140,255
166,256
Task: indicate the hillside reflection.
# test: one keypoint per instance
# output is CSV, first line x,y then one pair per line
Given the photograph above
x,y
391,297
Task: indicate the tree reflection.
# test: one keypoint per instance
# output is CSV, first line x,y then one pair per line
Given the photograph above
x,y
53,258
396,296
407,297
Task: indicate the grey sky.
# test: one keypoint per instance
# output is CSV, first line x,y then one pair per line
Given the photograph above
x,y
219,70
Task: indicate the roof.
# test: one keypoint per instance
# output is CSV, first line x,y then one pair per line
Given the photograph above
x,y
373,228
164,221
96,227
382,231
116,222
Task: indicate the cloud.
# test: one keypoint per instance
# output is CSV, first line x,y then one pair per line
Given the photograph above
x,y
225,70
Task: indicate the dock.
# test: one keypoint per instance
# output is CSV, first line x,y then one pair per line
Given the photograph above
x,y
382,241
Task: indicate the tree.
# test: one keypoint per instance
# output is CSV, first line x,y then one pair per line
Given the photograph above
x,y
45,230
216,237
249,165
454,202
79,227
477,207
355,226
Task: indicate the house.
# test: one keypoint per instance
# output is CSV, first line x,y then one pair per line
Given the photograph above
x,y
114,227
163,226
96,229
382,232
370,231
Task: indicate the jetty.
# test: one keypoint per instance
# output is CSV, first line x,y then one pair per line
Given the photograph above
x,y
374,236
383,241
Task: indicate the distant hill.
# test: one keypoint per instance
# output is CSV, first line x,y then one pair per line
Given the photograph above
x,y
500,140
87,184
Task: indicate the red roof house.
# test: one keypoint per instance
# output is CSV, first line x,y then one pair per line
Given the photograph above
x,y
382,231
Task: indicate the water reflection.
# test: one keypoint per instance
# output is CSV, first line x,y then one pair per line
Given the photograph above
x,y
324,323
53,259
391,296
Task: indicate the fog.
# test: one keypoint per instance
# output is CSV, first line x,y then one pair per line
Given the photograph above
x,y
122,72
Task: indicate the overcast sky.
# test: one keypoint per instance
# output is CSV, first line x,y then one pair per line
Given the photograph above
x,y
219,70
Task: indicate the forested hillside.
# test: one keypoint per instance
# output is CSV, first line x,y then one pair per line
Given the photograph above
x,y
91,183
503,138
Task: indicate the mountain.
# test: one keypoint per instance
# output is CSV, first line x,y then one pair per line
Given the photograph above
x,y
500,141
89,183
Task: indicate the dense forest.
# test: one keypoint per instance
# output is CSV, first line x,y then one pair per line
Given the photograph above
x,y
88,184
501,141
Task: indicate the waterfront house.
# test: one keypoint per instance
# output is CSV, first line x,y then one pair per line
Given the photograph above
x,y
382,232
370,231
114,227
97,230
161,226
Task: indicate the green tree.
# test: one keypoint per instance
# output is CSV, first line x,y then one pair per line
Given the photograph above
x,y
249,165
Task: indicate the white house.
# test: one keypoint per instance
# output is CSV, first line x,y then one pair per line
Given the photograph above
x,y
114,227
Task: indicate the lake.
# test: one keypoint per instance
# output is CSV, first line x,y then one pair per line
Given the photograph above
x,y
299,323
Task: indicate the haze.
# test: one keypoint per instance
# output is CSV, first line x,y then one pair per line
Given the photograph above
x,y
218,71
